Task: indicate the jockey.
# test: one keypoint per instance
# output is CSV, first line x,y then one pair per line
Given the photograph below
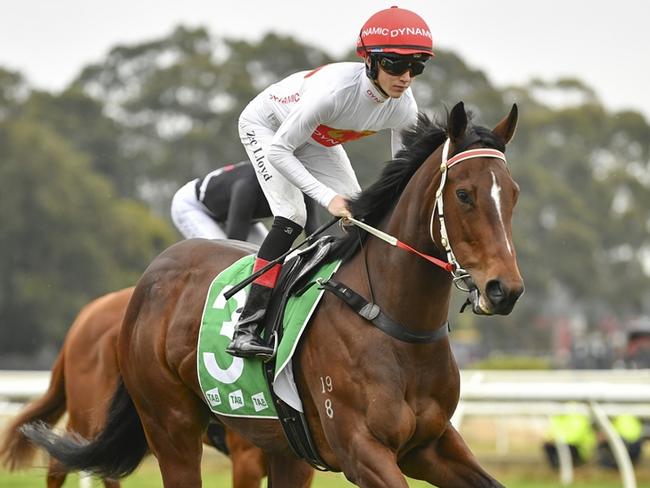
x,y
227,203
292,133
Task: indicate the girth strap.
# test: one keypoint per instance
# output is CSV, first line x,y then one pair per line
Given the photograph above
x,y
294,422
379,319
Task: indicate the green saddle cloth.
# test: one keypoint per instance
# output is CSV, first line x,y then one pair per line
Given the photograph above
x,y
235,386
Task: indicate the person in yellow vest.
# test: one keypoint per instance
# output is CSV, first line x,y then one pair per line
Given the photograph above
x,y
630,429
576,431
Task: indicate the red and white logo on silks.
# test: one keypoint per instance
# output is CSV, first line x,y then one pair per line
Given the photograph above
x,y
328,136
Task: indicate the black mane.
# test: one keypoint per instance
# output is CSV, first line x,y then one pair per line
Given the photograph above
x,y
373,204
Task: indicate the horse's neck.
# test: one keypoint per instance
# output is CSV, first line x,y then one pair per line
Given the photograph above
x,y
410,289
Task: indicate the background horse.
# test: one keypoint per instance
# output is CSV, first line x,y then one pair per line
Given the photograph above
x,y
377,407
84,377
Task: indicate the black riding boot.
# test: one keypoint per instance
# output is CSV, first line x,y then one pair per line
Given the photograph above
x,y
246,341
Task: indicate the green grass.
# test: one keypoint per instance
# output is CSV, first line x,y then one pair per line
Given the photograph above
x,y
217,474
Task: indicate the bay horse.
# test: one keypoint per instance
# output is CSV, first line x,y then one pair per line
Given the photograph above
x,y
83,379
378,408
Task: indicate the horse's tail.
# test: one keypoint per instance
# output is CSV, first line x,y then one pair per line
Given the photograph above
x,y
16,451
117,450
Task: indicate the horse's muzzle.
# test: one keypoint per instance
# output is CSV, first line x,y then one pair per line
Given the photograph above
x,y
500,297
497,299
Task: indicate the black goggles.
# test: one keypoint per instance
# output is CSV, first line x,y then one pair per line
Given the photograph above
x,y
397,66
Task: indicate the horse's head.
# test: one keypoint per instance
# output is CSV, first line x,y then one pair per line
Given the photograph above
x,y
479,196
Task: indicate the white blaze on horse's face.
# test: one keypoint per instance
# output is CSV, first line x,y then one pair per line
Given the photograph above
x,y
495,193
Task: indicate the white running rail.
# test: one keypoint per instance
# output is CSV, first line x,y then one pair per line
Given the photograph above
x,y
599,393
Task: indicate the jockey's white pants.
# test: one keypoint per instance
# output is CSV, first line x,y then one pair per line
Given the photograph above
x,y
330,165
193,219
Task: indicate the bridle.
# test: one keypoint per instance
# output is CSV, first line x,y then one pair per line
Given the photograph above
x,y
460,276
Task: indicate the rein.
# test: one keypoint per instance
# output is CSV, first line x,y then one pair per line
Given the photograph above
x,y
394,241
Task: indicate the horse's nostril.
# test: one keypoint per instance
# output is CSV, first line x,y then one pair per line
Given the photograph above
x,y
495,291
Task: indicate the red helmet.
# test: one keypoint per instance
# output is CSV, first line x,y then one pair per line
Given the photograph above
x,y
395,30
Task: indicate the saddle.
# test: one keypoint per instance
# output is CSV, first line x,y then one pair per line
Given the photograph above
x,y
294,281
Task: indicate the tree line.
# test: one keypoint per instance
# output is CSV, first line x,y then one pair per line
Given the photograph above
x,y
87,175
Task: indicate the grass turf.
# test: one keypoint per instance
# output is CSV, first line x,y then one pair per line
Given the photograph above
x,y
216,473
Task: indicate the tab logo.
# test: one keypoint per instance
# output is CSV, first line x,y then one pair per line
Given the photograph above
x,y
236,399
259,402
213,397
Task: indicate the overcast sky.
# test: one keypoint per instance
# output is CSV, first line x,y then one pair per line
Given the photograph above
x,y
603,43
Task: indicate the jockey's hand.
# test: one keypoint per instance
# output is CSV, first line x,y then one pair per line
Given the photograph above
x,y
338,207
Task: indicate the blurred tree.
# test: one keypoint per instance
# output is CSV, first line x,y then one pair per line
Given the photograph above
x,y
65,237
79,120
13,90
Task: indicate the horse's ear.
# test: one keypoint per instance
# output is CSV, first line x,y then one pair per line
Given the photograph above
x,y
506,128
457,123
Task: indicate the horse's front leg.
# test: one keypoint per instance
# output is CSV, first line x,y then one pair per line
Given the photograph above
x,y
447,463
248,461
287,471
369,464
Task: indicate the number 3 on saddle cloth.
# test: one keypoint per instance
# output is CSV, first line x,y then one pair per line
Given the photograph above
x,y
237,387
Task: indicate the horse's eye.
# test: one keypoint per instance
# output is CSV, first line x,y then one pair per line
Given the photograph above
x,y
463,196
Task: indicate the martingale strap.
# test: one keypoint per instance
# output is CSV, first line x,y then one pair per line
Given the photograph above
x,y
379,319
